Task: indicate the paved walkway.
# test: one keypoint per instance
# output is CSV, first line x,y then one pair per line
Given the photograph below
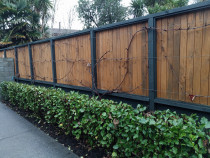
x,y
21,139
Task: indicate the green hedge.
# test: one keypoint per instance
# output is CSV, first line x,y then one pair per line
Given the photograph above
x,y
120,129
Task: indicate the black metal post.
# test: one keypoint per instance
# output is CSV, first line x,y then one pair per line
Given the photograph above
x,y
5,53
52,45
31,63
16,62
152,63
93,59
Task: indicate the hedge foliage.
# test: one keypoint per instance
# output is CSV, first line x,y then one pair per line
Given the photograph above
x,y
120,129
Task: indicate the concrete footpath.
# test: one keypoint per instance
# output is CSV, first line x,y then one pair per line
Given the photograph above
x,y
21,139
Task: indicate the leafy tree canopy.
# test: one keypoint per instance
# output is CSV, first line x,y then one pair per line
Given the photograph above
x,y
20,22
41,7
95,13
141,7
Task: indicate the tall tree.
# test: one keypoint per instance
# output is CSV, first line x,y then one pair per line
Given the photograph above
x,y
142,7
55,5
70,17
18,23
95,13
42,8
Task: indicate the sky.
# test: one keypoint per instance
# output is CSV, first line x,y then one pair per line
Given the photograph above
x,y
62,14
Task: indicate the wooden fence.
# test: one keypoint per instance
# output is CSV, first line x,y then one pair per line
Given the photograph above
x,y
183,65
162,56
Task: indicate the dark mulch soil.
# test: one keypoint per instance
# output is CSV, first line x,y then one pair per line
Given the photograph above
x,y
79,147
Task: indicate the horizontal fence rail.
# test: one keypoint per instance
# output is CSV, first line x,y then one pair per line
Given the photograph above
x,y
162,58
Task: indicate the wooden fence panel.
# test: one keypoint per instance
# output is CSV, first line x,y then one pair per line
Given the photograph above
x,y
199,22
205,74
23,62
73,61
122,59
11,54
1,54
183,57
42,63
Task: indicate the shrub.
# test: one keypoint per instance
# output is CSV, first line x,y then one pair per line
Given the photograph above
x,y
120,129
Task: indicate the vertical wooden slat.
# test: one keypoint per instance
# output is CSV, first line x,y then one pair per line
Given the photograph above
x,y
110,55
115,78
169,58
61,61
126,63
138,59
123,55
103,63
117,64
70,66
107,61
159,57
98,66
87,58
86,64
183,58
197,56
135,68
93,59
164,51
131,65
81,66
78,56
145,64
175,59
190,56
67,74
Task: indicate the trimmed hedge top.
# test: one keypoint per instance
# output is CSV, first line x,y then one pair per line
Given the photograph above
x,y
120,129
